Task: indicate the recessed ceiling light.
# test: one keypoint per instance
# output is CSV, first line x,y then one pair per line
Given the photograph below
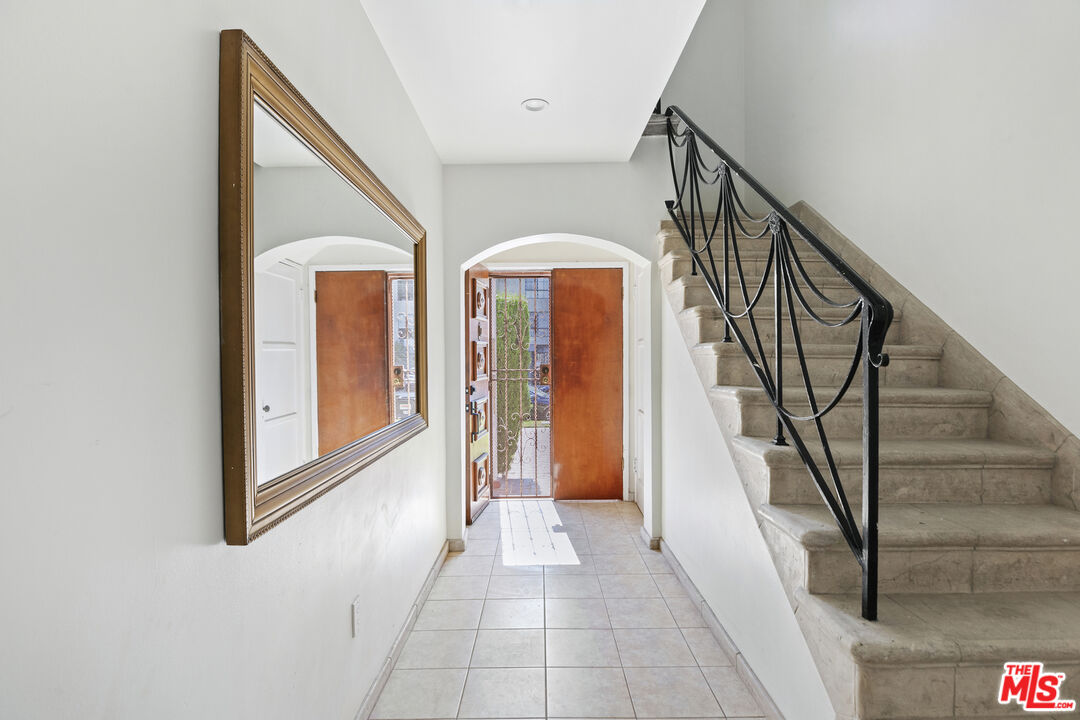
x,y
534,104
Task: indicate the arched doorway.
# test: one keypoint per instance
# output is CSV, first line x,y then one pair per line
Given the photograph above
x,y
524,267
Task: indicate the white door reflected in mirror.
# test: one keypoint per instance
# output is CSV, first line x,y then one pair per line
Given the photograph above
x,y
283,443
335,346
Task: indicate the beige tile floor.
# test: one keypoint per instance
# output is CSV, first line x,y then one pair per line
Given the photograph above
x,y
559,609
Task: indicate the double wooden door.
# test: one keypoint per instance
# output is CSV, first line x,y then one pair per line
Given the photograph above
x,y
585,391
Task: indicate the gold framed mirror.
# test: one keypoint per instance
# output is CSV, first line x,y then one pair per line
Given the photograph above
x,y
323,301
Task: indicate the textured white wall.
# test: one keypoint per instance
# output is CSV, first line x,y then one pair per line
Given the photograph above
x,y
120,599
711,528
941,137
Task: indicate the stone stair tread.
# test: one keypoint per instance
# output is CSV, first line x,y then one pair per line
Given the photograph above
x,y
824,350
836,282
950,452
667,225
674,234
832,284
939,628
906,396
757,251
938,525
830,314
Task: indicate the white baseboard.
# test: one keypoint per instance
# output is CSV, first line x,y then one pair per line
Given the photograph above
x,y
738,660
403,634
652,542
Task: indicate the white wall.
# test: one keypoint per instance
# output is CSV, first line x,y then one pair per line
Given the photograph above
x,y
553,251
711,528
618,202
942,138
120,599
709,81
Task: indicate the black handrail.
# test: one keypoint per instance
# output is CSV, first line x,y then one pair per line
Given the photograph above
x,y
874,312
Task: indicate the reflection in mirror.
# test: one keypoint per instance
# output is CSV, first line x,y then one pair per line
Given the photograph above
x,y
335,341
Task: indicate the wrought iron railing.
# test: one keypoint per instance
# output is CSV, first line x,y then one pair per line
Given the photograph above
x,y
792,284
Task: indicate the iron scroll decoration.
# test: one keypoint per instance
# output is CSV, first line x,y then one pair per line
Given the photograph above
x,y
251,509
714,240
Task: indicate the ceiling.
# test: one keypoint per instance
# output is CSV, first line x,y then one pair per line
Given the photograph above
x,y
468,64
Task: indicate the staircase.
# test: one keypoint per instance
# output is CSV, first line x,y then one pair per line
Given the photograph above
x,y
979,538
977,567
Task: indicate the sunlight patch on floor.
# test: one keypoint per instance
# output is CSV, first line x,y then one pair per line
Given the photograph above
x,y
532,534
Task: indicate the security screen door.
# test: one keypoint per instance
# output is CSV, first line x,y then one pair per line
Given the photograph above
x,y
521,385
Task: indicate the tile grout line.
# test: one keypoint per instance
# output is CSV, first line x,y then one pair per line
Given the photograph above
x,y
543,588
479,622
716,697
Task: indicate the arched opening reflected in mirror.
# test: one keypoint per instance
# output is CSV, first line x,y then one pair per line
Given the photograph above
x,y
335,343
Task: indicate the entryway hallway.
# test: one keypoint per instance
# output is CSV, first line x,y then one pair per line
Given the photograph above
x,y
559,609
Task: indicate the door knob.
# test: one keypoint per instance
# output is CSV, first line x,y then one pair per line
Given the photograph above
x,y
266,408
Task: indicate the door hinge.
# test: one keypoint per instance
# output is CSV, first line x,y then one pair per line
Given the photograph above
x,y
315,296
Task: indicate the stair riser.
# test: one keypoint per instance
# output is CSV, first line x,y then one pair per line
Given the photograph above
x,y
950,570
705,328
674,243
920,691
918,484
927,570
824,372
931,692
845,420
823,275
684,296
970,698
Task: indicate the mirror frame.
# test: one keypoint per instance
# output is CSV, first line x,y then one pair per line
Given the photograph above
x,y
251,510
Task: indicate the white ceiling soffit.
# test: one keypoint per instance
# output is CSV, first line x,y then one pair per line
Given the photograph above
x,y
467,65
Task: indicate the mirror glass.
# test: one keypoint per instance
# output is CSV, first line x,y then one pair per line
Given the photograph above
x,y
335,343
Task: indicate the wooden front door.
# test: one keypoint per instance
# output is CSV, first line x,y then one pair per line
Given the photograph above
x,y
351,355
477,398
587,375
